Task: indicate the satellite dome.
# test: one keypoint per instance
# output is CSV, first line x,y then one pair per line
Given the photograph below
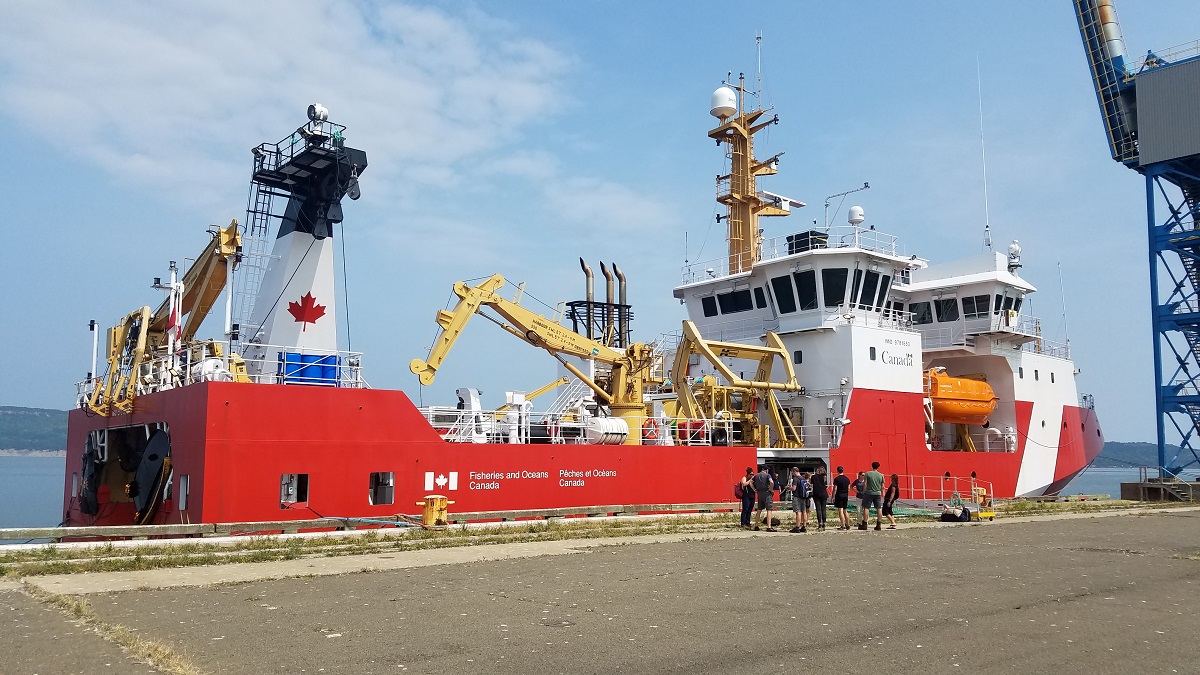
x,y
856,216
724,103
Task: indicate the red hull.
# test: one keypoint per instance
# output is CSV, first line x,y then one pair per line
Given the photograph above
x,y
888,427
234,441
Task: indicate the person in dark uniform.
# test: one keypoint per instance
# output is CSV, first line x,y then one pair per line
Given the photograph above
x,y
841,497
747,486
889,501
820,495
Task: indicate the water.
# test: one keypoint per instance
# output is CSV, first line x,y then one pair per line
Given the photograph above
x,y
31,491
1097,481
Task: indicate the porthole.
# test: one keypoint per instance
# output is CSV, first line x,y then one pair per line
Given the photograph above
x,y
1043,424
872,353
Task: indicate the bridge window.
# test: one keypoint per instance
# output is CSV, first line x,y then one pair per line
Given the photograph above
x,y
999,303
1017,305
735,301
1008,304
866,299
884,286
922,312
785,300
833,286
760,298
976,307
806,289
710,305
947,309
854,287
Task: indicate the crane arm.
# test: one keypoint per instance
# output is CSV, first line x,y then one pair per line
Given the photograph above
x,y
202,285
531,327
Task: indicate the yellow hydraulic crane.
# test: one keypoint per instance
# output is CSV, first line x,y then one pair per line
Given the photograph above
x,y
740,398
143,334
621,390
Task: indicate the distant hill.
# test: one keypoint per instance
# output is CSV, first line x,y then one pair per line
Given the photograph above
x,y
1117,454
32,429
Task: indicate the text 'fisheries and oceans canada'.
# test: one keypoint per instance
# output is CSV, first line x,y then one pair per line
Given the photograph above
x,y
493,480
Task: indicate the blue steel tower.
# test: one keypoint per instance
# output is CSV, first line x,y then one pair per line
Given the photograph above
x,y
1152,120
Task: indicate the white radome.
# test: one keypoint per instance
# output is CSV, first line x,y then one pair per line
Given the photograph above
x,y
856,216
724,103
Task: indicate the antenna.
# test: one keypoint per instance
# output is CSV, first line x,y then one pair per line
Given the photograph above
x,y
987,225
758,67
1062,294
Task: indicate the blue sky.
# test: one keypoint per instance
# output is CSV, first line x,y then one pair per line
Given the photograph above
x,y
514,137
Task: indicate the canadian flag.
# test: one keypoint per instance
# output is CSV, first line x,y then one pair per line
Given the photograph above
x,y
441,481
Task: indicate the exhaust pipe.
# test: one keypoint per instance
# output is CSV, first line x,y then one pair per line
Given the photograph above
x,y
591,296
609,299
622,309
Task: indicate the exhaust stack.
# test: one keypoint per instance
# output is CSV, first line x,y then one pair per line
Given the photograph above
x,y
591,297
622,310
609,300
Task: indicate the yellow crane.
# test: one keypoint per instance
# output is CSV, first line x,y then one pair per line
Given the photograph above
x,y
143,334
740,398
621,387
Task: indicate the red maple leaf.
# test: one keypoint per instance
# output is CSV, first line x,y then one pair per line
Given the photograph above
x,y
306,311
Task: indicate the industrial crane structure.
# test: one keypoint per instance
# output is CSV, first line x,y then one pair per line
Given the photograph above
x,y
1148,107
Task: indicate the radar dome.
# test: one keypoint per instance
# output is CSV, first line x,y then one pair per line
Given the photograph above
x,y
856,215
724,103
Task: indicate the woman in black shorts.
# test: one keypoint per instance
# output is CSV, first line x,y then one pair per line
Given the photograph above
x,y
889,500
820,495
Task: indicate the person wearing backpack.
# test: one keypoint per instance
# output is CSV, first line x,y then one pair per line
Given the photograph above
x,y
744,490
801,492
764,486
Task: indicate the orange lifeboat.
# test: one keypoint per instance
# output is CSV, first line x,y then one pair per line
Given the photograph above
x,y
958,400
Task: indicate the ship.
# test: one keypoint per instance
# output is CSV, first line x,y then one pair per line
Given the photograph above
x,y
824,347
935,370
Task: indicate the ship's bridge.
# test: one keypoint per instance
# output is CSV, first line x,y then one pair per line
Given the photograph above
x,y
803,281
952,304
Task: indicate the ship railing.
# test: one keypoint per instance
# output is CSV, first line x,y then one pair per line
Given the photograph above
x,y
517,425
270,157
279,364
1061,350
820,435
943,489
739,330
841,236
212,361
984,442
1087,401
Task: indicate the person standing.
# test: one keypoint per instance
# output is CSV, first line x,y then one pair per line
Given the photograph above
x,y
820,493
889,501
801,492
872,496
841,497
764,486
747,486
859,485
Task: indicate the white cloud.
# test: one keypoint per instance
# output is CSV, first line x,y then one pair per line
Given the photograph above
x,y
174,95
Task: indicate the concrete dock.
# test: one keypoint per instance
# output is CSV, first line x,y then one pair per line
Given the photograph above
x,y
1095,594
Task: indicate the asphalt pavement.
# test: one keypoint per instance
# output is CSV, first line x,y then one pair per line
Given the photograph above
x,y
1084,595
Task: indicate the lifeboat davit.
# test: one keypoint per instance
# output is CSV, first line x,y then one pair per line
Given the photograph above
x,y
958,400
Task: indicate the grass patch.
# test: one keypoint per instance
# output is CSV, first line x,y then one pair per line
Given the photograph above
x,y
157,654
53,559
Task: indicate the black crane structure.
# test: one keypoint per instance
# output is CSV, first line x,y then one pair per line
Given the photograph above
x,y
1150,116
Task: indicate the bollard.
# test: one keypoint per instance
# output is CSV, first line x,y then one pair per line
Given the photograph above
x,y
434,512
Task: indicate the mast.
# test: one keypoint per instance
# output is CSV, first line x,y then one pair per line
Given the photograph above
x,y
738,190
